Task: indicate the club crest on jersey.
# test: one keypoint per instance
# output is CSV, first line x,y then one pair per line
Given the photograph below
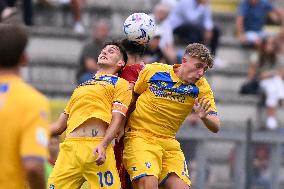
x,y
134,168
148,165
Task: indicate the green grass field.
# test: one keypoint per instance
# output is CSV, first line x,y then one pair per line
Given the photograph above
x,y
57,106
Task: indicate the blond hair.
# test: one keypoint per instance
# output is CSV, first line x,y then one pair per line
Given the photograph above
x,y
201,52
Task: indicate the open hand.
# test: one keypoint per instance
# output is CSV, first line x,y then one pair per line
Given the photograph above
x,y
202,107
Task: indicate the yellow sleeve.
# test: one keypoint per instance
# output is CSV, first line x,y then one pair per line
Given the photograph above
x,y
142,81
35,131
122,97
68,107
69,104
206,92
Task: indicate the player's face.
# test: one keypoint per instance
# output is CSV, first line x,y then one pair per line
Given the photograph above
x,y
192,69
110,55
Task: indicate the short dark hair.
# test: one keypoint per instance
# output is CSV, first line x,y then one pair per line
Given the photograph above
x,y
121,49
13,41
132,47
201,52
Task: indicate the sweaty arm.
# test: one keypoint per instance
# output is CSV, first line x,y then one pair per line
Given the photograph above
x,y
60,125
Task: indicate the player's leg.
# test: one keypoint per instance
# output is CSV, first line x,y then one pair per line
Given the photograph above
x,y
175,182
174,174
146,182
142,158
67,170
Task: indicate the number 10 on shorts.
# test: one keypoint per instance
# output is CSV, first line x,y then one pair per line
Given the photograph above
x,y
105,178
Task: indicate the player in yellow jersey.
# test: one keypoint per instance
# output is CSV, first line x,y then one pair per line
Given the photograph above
x,y
24,116
92,119
152,155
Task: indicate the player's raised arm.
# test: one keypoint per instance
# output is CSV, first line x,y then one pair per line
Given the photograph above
x,y
202,108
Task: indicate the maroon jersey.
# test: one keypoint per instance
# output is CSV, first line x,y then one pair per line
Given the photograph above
x,y
131,72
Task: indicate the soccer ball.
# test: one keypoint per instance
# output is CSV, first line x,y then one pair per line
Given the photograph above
x,y
139,27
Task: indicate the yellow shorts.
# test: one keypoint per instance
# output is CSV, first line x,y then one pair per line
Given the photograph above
x,y
146,154
76,164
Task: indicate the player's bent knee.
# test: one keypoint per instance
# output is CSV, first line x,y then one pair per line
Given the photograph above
x,y
175,182
146,182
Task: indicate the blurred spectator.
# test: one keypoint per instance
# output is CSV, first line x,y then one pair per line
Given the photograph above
x,y
2,7
260,168
27,6
24,115
166,45
8,14
191,21
264,67
251,18
76,12
75,6
170,3
91,51
261,173
153,52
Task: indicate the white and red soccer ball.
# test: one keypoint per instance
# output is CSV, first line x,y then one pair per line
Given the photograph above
x,y
139,27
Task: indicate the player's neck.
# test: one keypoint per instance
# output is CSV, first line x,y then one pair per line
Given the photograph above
x,y
106,71
177,72
134,60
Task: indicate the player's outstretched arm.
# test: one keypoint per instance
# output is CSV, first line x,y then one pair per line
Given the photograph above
x,y
60,125
111,133
202,108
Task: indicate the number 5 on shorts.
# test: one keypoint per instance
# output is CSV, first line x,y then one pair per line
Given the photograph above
x,y
106,178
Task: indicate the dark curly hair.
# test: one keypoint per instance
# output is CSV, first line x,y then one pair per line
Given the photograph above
x,y
132,47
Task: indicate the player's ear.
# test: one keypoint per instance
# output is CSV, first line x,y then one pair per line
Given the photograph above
x,y
183,60
121,63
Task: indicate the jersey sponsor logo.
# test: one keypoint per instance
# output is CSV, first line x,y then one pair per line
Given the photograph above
x,y
162,85
134,168
109,79
100,81
41,136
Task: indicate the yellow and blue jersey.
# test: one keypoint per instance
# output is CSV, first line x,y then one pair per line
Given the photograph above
x,y
98,98
24,129
165,100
